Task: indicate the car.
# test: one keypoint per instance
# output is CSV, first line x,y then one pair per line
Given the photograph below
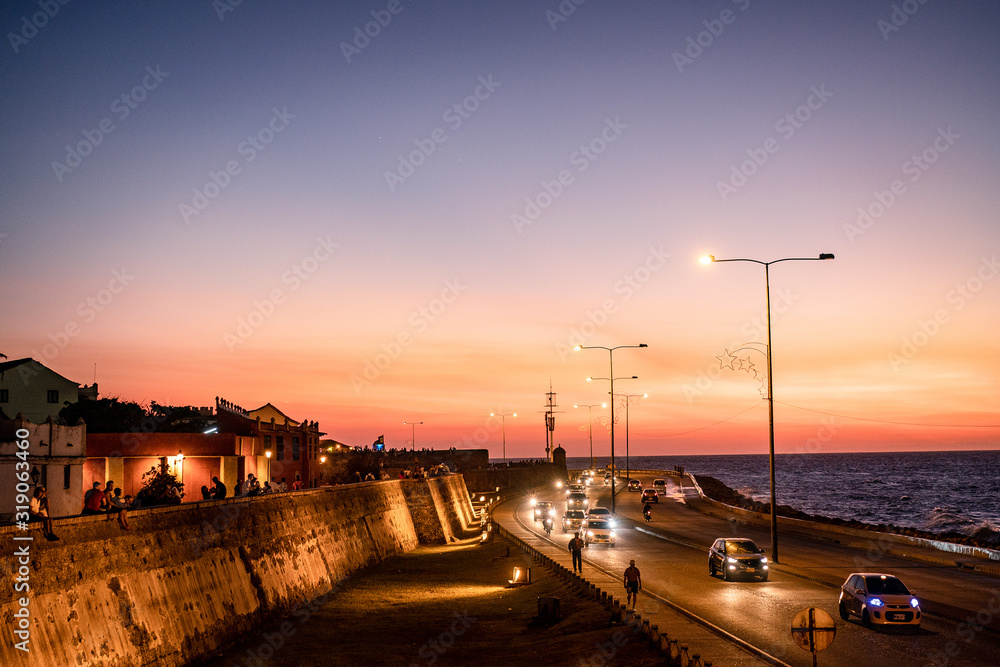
x,y
634,485
660,486
598,531
736,556
577,501
649,496
575,488
601,513
879,599
543,508
572,521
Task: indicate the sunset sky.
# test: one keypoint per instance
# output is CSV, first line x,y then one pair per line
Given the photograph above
x,y
262,202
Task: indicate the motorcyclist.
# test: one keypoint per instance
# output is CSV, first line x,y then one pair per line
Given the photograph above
x,y
547,523
647,511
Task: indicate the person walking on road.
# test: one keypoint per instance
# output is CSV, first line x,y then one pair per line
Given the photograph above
x,y
633,582
576,548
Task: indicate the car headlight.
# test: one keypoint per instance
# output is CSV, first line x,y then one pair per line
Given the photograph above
x,y
763,560
730,559
533,501
552,512
875,602
590,533
914,602
612,533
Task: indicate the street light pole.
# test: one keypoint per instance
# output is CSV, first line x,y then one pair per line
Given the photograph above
x,y
590,428
628,399
413,435
709,259
503,431
611,378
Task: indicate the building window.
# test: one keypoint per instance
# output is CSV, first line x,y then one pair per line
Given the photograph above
x,y
295,449
53,395
4,396
267,441
67,470
281,448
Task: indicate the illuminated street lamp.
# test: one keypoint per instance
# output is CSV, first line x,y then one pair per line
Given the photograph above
x,y
628,399
611,378
267,453
503,430
709,259
413,434
590,420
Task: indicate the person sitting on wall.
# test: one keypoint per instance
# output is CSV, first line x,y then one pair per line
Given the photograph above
x,y
38,509
174,495
109,489
219,489
93,500
238,489
297,485
118,506
267,488
252,486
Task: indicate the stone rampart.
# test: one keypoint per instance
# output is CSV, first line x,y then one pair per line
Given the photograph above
x,y
188,579
440,509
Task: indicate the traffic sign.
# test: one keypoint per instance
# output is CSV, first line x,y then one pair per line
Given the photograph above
x,y
813,630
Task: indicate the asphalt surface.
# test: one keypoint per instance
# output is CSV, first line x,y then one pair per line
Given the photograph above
x,y
671,551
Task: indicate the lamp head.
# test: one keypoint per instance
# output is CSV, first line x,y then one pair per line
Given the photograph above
x,y
707,259
578,347
826,255
643,345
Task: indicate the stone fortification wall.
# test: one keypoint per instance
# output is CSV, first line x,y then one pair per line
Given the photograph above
x,y
190,578
440,509
514,478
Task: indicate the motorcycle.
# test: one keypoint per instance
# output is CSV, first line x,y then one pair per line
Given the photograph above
x,y
648,514
547,523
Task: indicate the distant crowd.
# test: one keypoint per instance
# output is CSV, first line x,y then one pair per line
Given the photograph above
x,y
111,502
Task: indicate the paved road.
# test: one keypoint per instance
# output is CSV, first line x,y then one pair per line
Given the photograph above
x,y
672,551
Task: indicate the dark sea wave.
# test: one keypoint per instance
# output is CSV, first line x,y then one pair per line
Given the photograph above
x,y
939,492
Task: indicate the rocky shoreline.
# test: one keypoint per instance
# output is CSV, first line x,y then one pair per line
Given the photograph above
x,y
719,491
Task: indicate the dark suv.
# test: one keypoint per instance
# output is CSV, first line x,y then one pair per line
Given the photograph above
x,y
737,556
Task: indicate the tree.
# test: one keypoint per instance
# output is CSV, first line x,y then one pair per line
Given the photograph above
x,y
105,415
156,485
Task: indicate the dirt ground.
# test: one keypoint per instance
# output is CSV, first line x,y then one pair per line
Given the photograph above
x,y
445,605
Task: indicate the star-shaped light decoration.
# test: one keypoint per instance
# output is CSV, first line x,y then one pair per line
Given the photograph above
x,y
726,360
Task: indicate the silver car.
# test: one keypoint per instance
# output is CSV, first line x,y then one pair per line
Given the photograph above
x,y
879,599
577,501
598,531
573,520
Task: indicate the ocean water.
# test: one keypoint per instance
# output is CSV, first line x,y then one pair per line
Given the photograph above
x,y
932,491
